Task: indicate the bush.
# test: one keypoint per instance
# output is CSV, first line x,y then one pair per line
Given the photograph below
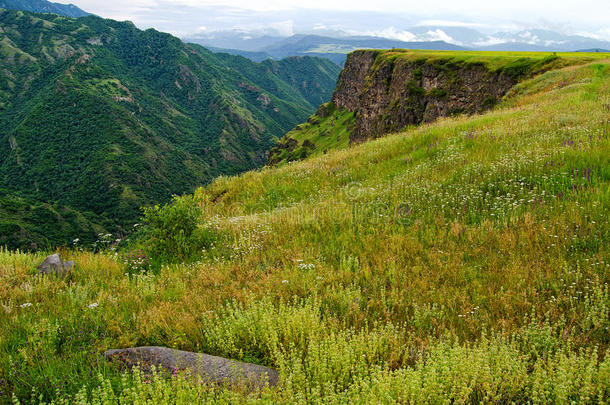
x,y
173,233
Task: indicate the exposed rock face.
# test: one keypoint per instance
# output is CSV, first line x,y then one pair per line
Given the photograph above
x,y
211,369
388,93
54,265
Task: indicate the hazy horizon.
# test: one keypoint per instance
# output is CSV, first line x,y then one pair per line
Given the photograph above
x,y
384,18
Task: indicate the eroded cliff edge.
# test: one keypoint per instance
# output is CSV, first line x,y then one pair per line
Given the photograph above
x,y
383,91
389,90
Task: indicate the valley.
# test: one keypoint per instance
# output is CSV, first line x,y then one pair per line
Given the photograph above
x,y
105,118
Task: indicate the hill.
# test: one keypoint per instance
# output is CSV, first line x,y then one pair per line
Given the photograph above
x,y
461,261
105,118
43,6
380,92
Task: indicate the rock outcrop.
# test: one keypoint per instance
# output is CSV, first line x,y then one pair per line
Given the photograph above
x,y
388,92
212,369
54,265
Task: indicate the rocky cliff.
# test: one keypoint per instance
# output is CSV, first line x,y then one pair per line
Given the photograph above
x,y
389,90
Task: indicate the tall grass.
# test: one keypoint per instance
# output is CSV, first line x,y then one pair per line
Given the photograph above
x,y
464,261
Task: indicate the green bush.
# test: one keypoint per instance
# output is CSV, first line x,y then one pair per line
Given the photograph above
x,y
173,233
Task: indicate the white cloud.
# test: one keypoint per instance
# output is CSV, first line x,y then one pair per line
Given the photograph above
x,y
186,16
283,28
440,35
449,23
391,33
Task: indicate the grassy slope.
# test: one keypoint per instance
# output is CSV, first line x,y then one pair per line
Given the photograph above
x,y
463,261
322,133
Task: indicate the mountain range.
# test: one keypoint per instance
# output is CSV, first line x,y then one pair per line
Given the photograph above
x,y
103,118
43,6
336,46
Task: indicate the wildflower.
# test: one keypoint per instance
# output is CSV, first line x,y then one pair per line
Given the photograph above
x,y
93,305
25,305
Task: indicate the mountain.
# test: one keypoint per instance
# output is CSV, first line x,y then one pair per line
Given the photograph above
x,y
104,118
337,44
332,48
234,40
252,55
595,50
43,6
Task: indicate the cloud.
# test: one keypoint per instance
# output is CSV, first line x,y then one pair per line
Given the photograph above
x,y
449,23
283,28
440,35
390,33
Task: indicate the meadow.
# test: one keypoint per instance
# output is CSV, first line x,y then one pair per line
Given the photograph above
x,y
463,261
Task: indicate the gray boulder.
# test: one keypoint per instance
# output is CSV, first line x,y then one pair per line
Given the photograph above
x,y
54,265
210,369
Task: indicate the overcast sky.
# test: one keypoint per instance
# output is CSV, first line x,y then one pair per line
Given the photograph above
x,y
183,17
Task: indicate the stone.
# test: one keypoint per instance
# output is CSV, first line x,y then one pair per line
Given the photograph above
x,y
211,369
53,265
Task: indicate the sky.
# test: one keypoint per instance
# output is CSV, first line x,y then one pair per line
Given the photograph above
x,y
186,17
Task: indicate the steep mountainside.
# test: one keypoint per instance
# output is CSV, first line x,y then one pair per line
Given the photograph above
x,y
43,6
379,92
104,118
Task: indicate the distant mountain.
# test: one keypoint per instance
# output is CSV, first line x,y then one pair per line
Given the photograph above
x,y
594,50
253,56
234,40
333,48
540,40
104,118
336,46
43,6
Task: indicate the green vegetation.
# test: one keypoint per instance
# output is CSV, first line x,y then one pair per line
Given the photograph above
x,y
104,118
463,261
514,64
43,6
173,234
31,225
327,129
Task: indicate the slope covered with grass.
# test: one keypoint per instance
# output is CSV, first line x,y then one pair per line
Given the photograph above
x,y
462,261
385,91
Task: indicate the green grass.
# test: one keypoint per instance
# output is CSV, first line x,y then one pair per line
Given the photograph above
x,y
463,261
493,60
326,130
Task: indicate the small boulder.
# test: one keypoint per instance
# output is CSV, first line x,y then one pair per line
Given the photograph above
x,y
211,369
54,265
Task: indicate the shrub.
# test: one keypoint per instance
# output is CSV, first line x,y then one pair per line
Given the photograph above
x,y
173,233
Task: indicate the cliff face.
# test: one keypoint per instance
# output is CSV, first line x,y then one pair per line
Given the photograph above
x,y
387,92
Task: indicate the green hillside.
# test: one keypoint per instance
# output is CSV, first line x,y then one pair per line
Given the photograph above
x,y
32,225
461,261
411,87
104,118
43,6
